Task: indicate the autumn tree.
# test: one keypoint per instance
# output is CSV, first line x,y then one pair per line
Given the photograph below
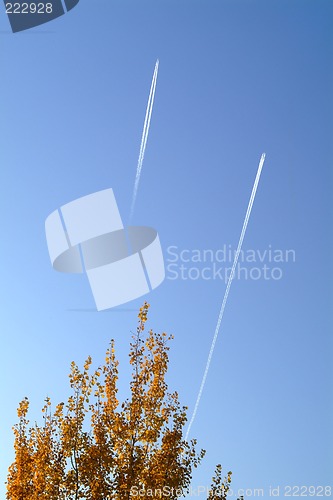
x,y
96,448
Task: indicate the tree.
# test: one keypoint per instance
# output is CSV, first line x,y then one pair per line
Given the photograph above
x,y
95,448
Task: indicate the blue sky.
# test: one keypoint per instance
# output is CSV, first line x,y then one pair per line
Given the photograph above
x,y
236,78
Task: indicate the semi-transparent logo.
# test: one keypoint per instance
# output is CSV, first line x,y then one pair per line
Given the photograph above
x,y
87,235
24,15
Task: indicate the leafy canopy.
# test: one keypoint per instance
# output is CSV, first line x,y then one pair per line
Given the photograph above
x,y
95,448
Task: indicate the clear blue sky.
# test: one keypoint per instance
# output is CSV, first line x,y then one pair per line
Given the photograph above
x,y
237,78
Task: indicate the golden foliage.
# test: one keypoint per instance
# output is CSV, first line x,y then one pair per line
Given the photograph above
x,y
95,448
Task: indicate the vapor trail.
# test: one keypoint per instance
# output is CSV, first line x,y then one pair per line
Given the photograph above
x,y
144,138
226,294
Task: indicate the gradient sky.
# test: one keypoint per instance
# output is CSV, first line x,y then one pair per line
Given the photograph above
x,y
237,78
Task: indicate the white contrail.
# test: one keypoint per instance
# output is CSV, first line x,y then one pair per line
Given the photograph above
x,y
226,294
144,138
